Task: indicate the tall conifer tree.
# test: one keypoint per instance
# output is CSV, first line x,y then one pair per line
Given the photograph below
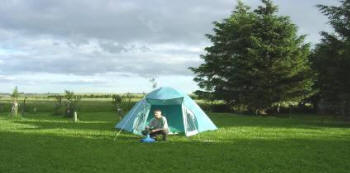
x,y
256,59
331,59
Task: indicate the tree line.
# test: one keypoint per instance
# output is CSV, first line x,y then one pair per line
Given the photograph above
x,y
67,104
257,61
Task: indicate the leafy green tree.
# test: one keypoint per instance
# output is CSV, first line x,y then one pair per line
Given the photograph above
x,y
15,93
256,59
117,103
72,101
331,59
127,101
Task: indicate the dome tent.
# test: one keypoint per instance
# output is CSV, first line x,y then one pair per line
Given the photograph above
x,y
182,113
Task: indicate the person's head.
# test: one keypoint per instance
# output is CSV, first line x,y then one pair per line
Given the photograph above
x,y
157,113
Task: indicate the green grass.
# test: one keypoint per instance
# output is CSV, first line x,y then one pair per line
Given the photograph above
x,y
44,143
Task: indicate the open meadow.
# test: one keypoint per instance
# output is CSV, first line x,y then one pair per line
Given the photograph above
x,y
40,142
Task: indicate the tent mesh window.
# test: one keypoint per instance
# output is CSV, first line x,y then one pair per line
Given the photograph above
x,y
139,123
190,122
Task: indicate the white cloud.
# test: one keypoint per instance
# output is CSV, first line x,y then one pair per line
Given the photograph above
x,y
106,83
49,45
4,78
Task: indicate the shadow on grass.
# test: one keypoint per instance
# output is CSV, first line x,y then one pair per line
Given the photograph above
x,y
302,121
81,125
222,121
23,152
102,121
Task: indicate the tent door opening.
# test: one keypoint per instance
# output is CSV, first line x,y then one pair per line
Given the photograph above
x,y
173,114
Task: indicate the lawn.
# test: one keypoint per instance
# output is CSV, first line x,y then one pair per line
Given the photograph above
x,y
44,143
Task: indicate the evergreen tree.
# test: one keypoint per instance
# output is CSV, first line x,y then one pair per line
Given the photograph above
x,y
257,59
331,59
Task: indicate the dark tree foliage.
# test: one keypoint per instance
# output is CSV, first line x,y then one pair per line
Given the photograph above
x,y
256,59
331,59
72,101
117,104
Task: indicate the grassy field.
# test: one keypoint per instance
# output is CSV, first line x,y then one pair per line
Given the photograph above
x,y
45,143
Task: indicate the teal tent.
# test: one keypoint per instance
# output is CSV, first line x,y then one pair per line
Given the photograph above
x,y
182,113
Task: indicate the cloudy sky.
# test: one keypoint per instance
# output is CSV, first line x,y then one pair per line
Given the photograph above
x,y
118,45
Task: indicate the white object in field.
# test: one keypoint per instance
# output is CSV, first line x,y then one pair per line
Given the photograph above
x,y
14,108
75,117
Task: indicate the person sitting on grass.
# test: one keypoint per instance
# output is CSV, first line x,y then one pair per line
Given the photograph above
x,y
157,126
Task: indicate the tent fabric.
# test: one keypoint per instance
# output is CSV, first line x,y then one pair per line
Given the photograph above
x,y
165,93
182,113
